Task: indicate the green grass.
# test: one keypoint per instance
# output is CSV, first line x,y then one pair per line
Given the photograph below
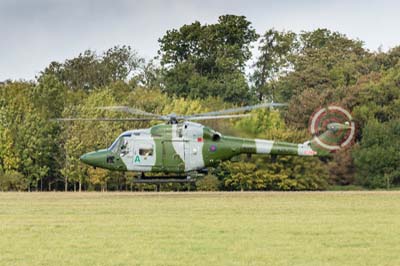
x,y
310,228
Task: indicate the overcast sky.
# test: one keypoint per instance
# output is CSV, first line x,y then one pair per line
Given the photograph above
x,y
34,33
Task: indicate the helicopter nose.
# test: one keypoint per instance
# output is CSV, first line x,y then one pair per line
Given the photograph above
x,y
85,158
95,158
92,158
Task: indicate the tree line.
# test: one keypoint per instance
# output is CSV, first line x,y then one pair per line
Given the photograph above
x,y
199,68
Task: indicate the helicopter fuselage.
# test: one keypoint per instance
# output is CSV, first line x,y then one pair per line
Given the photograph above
x,y
180,148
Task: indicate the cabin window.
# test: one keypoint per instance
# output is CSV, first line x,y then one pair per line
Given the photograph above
x,y
146,152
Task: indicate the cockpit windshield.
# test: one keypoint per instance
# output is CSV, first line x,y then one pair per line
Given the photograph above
x,y
120,145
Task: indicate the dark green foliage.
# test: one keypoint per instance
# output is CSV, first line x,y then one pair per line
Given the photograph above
x,y
89,70
276,54
378,156
208,60
341,168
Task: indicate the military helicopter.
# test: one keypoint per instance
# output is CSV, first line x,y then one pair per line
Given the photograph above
x,y
181,146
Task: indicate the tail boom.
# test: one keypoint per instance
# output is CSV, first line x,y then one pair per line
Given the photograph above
x,y
283,148
322,145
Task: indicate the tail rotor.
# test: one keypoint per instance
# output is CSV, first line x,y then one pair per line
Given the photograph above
x,y
333,128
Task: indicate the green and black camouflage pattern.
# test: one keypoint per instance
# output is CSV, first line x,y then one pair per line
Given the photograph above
x,y
188,146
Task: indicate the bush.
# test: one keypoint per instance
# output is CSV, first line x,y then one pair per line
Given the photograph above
x,y
208,183
287,173
12,180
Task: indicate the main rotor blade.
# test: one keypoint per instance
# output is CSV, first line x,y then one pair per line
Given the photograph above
x,y
105,119
127,109
240,109
215,117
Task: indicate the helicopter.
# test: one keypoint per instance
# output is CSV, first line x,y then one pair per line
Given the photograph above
x,y
182,146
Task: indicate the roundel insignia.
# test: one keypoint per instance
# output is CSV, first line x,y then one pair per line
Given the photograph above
x,y
213,148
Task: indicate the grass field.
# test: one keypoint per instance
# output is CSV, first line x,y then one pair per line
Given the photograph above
x,y
323,228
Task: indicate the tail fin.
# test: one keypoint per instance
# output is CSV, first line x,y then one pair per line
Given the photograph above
x,y
334,138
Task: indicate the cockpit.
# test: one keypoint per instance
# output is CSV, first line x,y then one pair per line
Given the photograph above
x,y
121,145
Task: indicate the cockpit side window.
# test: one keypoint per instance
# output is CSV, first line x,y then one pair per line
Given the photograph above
x,y
123,147
120,145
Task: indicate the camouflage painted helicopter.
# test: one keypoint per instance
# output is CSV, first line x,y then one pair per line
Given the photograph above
x,y
181,146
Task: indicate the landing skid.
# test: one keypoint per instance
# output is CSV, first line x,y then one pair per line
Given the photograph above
x,y
163,181
158,180
166,177
170,178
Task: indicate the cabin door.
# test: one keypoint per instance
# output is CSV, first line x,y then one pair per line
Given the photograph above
x,y
144,153
173,155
